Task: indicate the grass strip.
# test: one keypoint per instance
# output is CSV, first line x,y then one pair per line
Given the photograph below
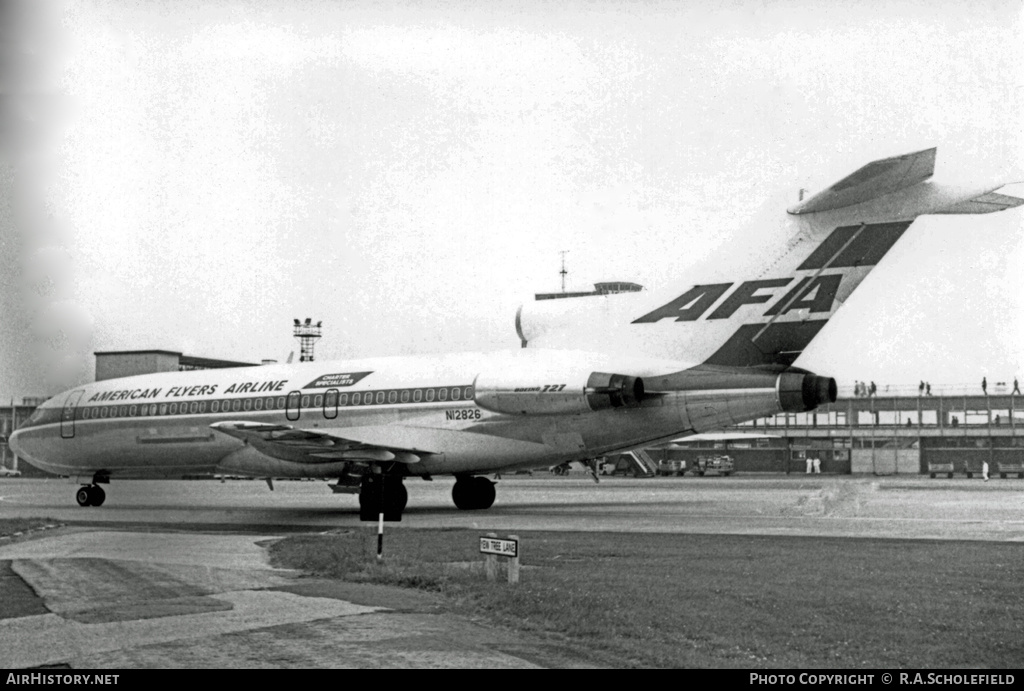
x,y
661,600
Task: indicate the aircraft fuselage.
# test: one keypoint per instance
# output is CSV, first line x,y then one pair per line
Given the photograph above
x,y
164,425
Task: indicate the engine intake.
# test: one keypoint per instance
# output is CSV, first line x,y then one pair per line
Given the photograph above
x,y
614,391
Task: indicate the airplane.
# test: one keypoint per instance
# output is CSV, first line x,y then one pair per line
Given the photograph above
x,y
716,349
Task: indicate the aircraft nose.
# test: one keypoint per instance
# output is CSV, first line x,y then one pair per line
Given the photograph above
x,y
23,446
14,441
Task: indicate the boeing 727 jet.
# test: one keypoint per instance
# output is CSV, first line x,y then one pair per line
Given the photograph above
x,y
596,374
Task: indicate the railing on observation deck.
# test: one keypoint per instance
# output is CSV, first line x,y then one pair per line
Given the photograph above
x,y
904,407
911,390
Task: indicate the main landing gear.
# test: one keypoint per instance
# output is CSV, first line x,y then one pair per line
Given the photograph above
x,y
473,492
90,495
382,494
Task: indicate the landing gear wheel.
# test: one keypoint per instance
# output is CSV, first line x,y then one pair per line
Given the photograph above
x,y
395,498
485,492
90,495
401,495
462,494
472,493
367,504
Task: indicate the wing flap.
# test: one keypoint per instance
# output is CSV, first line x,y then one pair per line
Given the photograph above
x,y
305,445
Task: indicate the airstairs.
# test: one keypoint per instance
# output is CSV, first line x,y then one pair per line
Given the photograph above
x,y
643,464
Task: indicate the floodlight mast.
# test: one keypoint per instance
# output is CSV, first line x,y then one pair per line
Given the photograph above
x,y
308,334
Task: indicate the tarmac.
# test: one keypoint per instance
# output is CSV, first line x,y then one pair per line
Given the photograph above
x,y
171,574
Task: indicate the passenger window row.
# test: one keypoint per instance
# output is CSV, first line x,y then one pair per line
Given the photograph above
x,y
329,402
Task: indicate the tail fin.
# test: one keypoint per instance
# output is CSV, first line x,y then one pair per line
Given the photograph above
x,y
765,317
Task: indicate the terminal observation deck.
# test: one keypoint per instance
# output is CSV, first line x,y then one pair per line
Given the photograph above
x,y
905,416
897,430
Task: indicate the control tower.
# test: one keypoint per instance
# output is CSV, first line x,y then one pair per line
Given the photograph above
x,y
308,334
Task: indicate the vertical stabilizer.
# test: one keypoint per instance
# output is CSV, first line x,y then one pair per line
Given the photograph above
x,y
787,281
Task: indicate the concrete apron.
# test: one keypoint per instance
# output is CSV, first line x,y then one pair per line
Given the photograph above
x,y
124,599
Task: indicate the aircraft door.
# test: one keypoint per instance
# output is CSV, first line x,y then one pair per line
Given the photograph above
x,y
67,415
331,404
293,406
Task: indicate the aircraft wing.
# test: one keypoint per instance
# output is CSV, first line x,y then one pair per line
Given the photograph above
x,y
718,436
727,436
305,445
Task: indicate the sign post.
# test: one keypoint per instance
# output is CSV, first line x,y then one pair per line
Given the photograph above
x,y
493,547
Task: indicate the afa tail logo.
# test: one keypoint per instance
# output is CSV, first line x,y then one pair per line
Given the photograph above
x,y
816,294
846,247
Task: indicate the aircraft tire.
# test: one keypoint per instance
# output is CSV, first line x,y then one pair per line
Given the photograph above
x,y
484,492
397,497
83,496
97,496
368,502
473,493
462,494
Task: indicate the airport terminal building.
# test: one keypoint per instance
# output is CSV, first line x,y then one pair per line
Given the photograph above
x,y
881,435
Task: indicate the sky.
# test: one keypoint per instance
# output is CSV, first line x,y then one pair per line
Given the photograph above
x,y
192,176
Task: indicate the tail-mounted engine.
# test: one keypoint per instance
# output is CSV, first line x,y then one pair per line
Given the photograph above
x,y
515,394
799,392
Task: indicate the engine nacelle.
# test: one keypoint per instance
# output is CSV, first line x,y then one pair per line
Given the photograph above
x,y
559,394
799,392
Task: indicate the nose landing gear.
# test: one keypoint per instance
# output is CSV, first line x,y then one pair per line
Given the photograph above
x,y
90,495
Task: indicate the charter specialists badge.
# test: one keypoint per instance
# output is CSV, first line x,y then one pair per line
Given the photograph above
x,y
326,381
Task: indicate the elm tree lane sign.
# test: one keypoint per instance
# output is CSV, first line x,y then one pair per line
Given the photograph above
x,y
499,546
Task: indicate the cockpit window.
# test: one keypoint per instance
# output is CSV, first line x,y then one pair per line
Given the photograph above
x,y
35,417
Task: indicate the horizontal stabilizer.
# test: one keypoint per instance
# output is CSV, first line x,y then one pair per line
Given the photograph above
x,y
983,204
877,178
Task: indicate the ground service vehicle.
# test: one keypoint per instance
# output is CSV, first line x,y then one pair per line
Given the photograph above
x,y
672,467
719,465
